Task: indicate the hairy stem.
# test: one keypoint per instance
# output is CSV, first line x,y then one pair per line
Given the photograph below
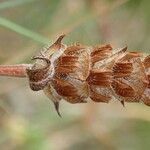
x,y
14,70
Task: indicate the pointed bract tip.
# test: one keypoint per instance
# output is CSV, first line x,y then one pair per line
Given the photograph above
x,y
58,41
122,102
56,104
124,49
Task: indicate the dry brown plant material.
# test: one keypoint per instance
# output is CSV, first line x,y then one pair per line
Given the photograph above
x,y
79,73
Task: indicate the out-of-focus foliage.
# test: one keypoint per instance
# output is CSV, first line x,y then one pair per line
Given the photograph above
x,y
27,119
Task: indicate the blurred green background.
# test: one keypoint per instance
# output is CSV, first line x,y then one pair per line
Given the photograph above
x,y
27,119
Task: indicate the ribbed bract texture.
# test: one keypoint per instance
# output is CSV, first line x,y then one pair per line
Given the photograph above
x,y
80,73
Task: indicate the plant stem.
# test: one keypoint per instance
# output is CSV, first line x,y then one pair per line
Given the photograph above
x,y
14,70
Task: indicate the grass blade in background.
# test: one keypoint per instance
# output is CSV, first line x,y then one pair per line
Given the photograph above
x,y
13,3
23,31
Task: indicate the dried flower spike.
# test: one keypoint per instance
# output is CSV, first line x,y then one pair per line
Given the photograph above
x,y
80,73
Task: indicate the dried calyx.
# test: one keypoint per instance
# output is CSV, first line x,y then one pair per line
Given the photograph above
x,y
79,73
41,71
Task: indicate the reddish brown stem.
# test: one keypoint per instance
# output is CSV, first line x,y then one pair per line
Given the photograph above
x,y
14,70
